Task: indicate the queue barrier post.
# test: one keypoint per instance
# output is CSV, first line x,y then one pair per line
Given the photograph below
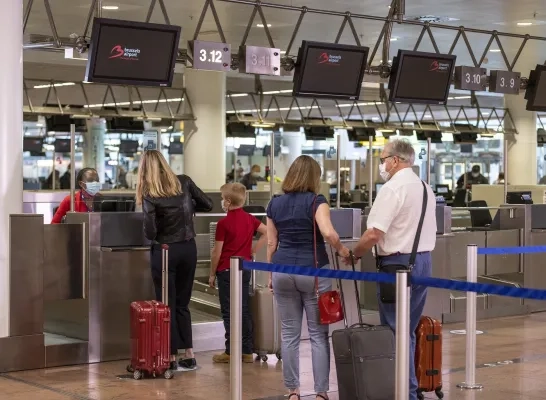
x,y
236,328
471,276
403,289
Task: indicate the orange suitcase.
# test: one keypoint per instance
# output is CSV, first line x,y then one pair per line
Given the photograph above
x,y
428,357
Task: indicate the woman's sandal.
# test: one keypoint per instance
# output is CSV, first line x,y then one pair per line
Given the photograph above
x,y
295,394
322,397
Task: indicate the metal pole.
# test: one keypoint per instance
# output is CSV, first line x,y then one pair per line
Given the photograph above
x,y
236,328
505,168
338,171
370,163
429,141
72,165
272,166
53,175
402,334
471,276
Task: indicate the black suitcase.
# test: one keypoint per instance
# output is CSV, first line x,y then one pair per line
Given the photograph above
x,y
364,357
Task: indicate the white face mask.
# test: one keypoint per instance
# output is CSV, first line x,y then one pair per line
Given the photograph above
x,y
223,205
92,188
383,172
475,174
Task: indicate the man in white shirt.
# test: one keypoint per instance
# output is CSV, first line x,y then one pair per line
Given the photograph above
x,y
392,226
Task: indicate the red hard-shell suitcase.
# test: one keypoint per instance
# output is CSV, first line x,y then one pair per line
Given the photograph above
x,y
428,357
151,332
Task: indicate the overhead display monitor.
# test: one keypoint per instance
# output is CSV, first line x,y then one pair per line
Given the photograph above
x,y
319,133
422,78
176,148
33,144
361,134
62,145
330,71
132,53
128,147
535,94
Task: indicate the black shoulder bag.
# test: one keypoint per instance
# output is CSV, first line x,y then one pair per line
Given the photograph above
x,y
387,291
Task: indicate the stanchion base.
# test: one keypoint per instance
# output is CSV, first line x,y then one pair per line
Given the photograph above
x,y
475,386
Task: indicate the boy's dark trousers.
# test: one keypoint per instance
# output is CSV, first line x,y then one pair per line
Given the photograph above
x,y
223,292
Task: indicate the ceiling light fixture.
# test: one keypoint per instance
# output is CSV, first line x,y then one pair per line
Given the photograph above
x,y
110,7
393,39
262,25
55,84
524,23
494,50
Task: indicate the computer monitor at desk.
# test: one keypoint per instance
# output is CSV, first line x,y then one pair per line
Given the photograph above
x,y
519,198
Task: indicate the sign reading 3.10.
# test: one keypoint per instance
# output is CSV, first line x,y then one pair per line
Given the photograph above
x,y
211,56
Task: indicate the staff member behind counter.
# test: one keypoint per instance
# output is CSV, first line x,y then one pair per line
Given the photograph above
x,y
88,182
169,202
473,177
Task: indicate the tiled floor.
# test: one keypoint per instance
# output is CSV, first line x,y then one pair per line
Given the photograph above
x,y
511,365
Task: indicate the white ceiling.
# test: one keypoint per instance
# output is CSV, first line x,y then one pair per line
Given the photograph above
x,y
502,15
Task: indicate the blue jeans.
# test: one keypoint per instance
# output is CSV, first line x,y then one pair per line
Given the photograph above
x,y
293,294
387,312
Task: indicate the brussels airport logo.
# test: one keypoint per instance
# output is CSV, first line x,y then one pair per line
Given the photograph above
x,y
124,53
329,59
439,66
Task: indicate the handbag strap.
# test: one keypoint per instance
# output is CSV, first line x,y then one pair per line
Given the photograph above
x,y
419,226
315,259
413,254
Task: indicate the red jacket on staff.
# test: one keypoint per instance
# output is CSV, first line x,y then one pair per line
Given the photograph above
x,y
64,207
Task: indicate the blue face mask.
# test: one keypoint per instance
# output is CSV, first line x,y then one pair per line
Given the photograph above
x,y
92,188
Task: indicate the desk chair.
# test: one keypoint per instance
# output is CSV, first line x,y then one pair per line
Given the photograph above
x,y
480,219
460,198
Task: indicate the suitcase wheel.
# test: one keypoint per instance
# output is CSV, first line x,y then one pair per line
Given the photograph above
x,y
168,374
278,354
264,358
137,374
439,392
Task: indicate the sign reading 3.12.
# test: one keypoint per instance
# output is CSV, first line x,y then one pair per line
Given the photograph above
x,y
212,56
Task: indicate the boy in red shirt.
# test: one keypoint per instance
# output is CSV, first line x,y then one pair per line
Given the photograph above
x,y
234,235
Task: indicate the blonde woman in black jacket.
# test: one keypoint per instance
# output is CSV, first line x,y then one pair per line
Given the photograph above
x,y
169,202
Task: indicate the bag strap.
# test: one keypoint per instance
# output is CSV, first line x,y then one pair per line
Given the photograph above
x,y
315,259
419,227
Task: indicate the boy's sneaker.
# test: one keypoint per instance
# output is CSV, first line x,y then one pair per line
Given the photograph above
x,y
188,363
248,358
221,358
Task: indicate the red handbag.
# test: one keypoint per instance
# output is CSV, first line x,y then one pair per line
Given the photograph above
x,y
329,303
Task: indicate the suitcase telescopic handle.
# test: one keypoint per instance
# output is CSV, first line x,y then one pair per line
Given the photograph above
x,y
357,295
165,274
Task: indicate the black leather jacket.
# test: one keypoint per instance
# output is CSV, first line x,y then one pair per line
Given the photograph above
x,y
170,219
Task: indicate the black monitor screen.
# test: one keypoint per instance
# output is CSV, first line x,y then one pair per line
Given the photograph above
x,y
246,150
33,144
176,148
419,77
128,146
330,70
135,53
442,189
536,90
62,145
